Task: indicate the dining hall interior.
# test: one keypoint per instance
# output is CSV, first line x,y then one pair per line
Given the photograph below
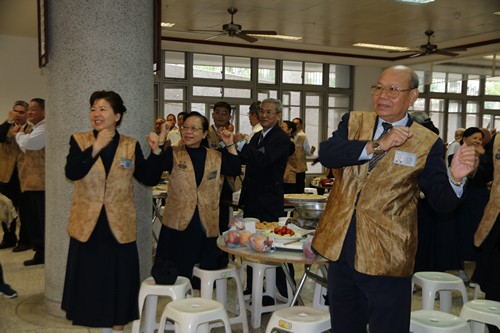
x,y
319,57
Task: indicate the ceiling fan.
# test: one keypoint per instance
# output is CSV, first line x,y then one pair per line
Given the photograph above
x,y
429,48
235,30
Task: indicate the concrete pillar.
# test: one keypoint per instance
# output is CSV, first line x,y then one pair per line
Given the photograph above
x,y
93,45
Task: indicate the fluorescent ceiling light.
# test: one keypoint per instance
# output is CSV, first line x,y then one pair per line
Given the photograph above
x,y
286,37
167,25
417,2
492,56
382,47
497,13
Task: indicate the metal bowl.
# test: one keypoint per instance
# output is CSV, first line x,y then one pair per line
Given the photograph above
x,y
310,210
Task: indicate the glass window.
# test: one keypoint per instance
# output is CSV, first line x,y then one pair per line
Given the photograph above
x,y
291,105
455,83
473,85
492,86
492,105
419,105
237,68
238,93
244,125
207,66
338,105
292,72
263,94
339,76
472,116
436,112
207,91
173,107
175,65
176,94
267,71
199,107
313,73
438,82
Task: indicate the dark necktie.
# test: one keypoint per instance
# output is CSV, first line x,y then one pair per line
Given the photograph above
x,y
376,157
261,138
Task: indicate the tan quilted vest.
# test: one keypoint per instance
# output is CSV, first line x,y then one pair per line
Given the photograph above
x,y
300,155
493,207
116,193
293,164
10,153
184,196
386,210
31,166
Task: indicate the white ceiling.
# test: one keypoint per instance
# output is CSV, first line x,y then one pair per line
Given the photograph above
x,y
328,27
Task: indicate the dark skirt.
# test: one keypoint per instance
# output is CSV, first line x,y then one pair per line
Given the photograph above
x,y
101,287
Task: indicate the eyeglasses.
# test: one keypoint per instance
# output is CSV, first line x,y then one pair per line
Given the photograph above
x,y
391,91
267,113
222,113
193,129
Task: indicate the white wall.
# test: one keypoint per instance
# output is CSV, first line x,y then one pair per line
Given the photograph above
x,y
20,77
364,77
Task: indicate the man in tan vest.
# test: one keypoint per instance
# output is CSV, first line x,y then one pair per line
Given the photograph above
x,y
9,178
487,237
302,150
368,230
32,177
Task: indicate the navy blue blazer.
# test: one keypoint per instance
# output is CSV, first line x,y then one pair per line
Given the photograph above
x,y
262,189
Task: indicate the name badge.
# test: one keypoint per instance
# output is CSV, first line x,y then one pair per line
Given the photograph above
x,y
212,175
125,163
405,158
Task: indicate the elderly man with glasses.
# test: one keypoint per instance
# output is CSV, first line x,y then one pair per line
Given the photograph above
x,y
368,230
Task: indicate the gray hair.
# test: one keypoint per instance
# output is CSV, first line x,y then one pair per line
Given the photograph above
x,y
276,102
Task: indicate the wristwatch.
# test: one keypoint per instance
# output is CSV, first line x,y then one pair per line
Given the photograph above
x,y
377,148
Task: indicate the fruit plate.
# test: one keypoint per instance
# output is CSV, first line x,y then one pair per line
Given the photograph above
x,y
286,238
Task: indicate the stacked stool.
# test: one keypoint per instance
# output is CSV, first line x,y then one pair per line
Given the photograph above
x,y
444,283
148,295
193,315
430,321
480,312
259,272
299,319
220,277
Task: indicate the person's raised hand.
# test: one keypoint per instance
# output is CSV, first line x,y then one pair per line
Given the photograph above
x,y
396,137
464,162
104,137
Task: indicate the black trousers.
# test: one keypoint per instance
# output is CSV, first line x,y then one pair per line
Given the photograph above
x,y
357,300
300,182
35,216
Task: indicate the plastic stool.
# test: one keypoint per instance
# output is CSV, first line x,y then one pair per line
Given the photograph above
x,y
310,190
220,276
432,282
480,312
299,319
319,296
430,321
256,308
149,293
192,315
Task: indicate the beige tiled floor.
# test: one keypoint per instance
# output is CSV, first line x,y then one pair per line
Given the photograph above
x,y
26,313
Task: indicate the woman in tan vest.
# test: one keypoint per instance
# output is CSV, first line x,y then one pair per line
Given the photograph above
x,y
290,176
102,275
191,220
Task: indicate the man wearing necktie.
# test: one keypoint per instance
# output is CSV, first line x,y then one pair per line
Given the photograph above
x,y
369,228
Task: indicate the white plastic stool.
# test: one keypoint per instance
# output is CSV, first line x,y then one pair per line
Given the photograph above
x,y
319,295
480,312
192,315
444,283
310,190
220,277
430,321
148,295
259,272
299,319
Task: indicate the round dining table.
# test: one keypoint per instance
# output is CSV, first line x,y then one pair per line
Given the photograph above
x,y
283,257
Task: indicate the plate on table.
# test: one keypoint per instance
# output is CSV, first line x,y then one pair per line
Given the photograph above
x,y
285,238
304,197
297,246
